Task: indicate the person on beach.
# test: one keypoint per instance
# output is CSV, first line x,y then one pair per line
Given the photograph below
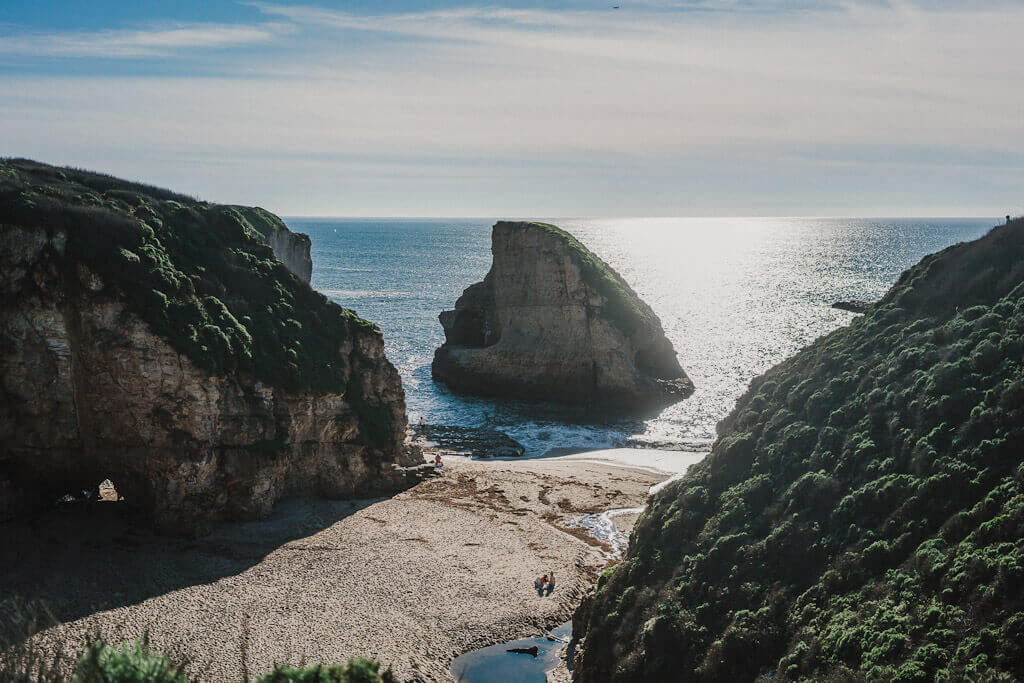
x,y
551,584
539,584
437,461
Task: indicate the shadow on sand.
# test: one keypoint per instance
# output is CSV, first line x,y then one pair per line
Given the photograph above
x,y
79,560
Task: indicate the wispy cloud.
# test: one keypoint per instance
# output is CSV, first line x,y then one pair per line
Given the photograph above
x,y
703,111
142,42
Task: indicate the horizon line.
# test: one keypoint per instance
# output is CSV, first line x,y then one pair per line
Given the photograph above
x,y
614,217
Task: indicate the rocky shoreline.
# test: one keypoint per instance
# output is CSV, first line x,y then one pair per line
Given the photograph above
x,y
474,442
855,305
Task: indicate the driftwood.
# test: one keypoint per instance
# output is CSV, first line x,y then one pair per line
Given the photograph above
x,y
524,650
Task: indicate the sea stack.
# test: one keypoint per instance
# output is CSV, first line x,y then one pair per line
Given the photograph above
x,y
155,340
553,322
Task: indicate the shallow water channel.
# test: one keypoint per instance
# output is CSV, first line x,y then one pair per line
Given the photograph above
x,y
602,527
495,664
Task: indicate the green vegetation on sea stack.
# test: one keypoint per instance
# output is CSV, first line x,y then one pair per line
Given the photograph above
x,y
861,515
623,307
200,274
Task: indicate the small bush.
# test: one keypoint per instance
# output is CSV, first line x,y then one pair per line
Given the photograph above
x,y
130,662
356,670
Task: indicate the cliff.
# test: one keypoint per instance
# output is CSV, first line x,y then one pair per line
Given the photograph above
x,y
552,322
156,340
861,514
290,248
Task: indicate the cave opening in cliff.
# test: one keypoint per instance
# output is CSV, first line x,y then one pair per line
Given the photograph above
x,y
103,492
648,362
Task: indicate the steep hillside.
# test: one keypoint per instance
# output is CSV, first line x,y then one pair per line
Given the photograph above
x,y
155,339
861,515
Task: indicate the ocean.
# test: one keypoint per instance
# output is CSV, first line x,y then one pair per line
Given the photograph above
x,y
735,295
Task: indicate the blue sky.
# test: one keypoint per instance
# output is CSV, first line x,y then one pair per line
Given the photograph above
x,y
662,107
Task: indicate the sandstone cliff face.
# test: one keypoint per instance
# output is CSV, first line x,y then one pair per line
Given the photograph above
x,y
552,322
90,390
290,248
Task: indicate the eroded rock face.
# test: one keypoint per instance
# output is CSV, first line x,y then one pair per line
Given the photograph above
x,y
292,249
89,391
552,322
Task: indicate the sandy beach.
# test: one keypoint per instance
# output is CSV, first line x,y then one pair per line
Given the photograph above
x,y
413,580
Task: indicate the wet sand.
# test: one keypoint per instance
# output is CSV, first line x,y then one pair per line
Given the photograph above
x,y
412,580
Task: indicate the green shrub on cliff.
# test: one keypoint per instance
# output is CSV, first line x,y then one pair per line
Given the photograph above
x,y
862,512
261,220
199,274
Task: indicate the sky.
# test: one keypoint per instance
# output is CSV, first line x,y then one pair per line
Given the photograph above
x,y
530,109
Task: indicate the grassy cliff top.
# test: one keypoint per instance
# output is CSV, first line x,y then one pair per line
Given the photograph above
x,y
862,512
199,274
264,222
623,307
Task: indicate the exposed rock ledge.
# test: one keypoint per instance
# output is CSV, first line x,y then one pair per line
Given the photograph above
x,y
854,306
552,322
477,442
152,339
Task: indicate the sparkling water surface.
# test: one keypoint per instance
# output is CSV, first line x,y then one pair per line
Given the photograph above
x,y
735,295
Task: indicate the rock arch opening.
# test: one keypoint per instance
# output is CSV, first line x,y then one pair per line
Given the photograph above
x,y
103,492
